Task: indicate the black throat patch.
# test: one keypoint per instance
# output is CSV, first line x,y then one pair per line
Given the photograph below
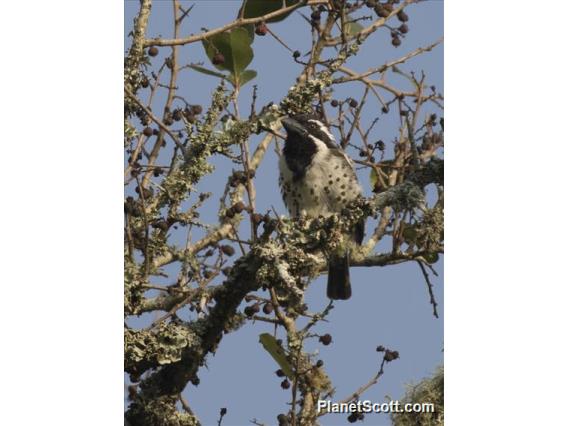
x,y
298,153
299,149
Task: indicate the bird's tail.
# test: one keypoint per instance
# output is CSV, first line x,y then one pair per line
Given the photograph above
x,y
338,284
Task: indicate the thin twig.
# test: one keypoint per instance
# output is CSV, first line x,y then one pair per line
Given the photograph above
x,y
240,22
155,119
430,288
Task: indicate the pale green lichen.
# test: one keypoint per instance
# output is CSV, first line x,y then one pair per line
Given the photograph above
x,y
429,391
160,346
158,412
430,231
133,291
300,97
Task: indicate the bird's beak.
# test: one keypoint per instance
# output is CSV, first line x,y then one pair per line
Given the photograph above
x,y
292,126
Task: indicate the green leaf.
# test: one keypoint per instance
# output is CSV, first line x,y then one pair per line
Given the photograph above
x,y
243,78
352,28
246,76
250,31
276,351
256,8
207,71
373,177
235,47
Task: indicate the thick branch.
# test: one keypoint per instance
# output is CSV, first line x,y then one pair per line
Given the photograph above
x,y
140,25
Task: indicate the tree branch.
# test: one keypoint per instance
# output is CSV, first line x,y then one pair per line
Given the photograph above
x,y
239,22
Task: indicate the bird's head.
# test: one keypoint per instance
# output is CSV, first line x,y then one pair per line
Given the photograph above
x,y
306,136
306,129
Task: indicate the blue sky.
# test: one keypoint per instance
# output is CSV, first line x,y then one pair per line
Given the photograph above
x,y
389,305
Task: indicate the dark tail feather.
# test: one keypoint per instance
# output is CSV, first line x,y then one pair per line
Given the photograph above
x,y
338,284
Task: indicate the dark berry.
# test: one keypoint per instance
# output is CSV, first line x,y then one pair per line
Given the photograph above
x,y
296,54
403,28
155,132
316,15
390,355
381,11
249,311
188,113
362,153
153,51
319,364
352,418
148,131
353,103
396,41
256,218
280,373
388,7
161,224
218,59
196,109
325,339
334,103
380,348
238,207
177,115
380,145
402,16
144,83
268,308
283,420
261,29
371,3
132,391
285,384
228,250
385,109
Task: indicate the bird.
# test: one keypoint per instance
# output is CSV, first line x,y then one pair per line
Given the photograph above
x,y
317,179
